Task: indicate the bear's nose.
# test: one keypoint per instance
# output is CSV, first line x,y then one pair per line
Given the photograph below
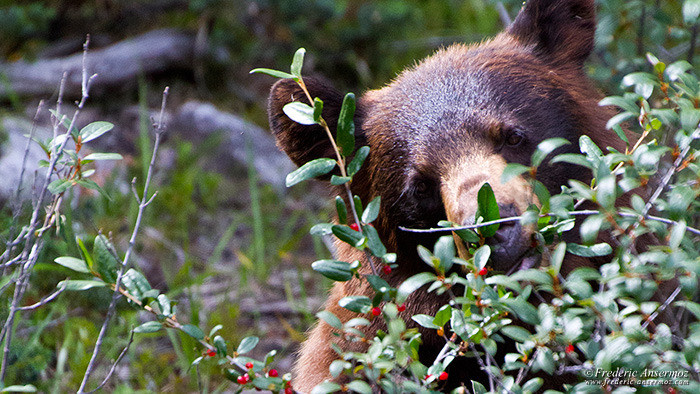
x,y
510,243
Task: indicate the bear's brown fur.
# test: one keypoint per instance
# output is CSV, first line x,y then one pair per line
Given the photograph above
x,y
437,133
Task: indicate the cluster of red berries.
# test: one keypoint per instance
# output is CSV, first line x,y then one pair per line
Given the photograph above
x,y
243,379
211,352
443,376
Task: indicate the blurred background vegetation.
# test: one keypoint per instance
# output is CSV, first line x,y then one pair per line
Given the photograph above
x,y
230,248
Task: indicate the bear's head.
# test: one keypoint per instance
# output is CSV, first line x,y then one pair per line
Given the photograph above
x,y
445,127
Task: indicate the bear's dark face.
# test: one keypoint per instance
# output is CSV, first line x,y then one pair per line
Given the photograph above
x,y
447,126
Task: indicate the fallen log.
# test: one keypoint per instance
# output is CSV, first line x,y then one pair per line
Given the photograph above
x,y
200,120
117,64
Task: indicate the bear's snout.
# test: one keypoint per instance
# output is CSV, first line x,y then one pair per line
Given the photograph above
x,y
511,243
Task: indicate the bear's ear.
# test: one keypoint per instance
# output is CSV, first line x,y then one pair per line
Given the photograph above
x,y
561,30
303,143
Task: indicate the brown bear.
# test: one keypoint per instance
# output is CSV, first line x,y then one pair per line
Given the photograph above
x,y
441,130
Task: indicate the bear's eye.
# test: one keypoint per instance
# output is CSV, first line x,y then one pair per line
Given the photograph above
x,y
515,138
421,188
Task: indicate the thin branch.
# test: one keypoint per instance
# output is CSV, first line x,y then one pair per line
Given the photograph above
x,y
503,14
517,218
665,180
143,203
665,305
116,362
43,302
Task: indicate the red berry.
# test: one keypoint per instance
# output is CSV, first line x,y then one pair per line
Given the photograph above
x,y
386,269
273,373
242,379
570,348
211,352
671,390
355,227
288,390
443,376
401,307
482,271
249,365
376,311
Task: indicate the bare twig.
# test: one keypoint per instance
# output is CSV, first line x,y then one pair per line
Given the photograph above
x,y
503,14
517,218
116,362
144,201
663,306
44,301
34,242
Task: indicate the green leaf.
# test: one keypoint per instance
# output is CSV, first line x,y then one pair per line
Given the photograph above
x,y
371,212
377,283
165,305
517,333
83,250
346,127
607,192
532,385
297,62
359,386
90,184
620,133
340,180
601,249
326,388
591,150
481,256
321,229
193,331
676,69
80,285
135,283
412,284
220,345
591,227
443,315
310,170
513,170
59,186
478,388
148,327
333,269
330,318
691,11
445,251
357,161
677,233
425,321
94,130
546,147
247,344
341,209
558,257
215,329
73,263
27,388
544,359
318,109
348,235
105,263
359,304
572,158
626,103
103,156
299,112
488,209
271,72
